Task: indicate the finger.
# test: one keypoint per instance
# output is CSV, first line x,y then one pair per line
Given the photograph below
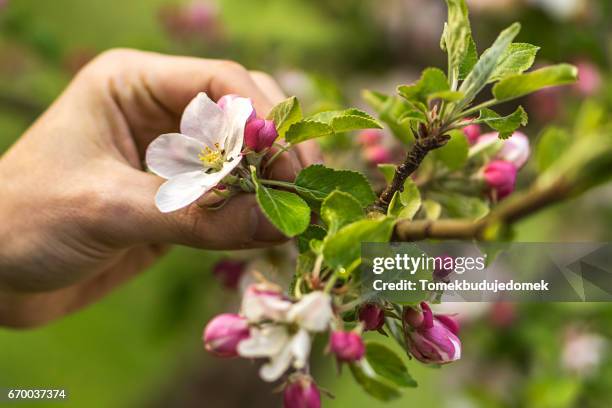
x,y
309,153
238,224
268,86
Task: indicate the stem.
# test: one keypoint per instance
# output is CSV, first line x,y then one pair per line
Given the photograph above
x,y
475,109
278,183
282,149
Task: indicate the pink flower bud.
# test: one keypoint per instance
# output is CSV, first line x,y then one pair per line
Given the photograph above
x,y
377,155
472,132
260,134
224,101
589,79
302,393
434,340
223,333
372,316
370,137
502,314
347,346
500,177
229,272
514,150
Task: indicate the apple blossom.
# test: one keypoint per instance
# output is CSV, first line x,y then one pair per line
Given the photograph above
x,y
260,134
589,79
229,272
583,352
372,316
472,132
204,153
431,341
500,177
377,155
301,392
223,334
515,149
346,346
370,137
264,302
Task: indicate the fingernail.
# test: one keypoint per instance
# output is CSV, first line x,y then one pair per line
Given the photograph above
x,y
263,230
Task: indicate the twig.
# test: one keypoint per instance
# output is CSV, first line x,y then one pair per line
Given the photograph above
x,y
506,213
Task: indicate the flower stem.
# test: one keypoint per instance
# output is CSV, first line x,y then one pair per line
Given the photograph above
x,y
277,183
282,149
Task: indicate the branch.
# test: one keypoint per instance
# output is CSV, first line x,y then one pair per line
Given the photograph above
x,y
507,213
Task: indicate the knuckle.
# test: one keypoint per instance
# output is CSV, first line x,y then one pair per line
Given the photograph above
x,y
233,68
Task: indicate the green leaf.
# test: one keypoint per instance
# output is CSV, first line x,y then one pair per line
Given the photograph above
x,y
387,364
518,58
457,34
469,61
390,109
316,182
388,171
407,203
346,120
553,143
312,232
505,125
454,154
340,209
516,86
344,248
590,118
286,211
433,209
372,384
487,63
461,206
449,96
414,115
306,130
432,81
285,114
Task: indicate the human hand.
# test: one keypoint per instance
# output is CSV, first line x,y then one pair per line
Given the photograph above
x,y
78,209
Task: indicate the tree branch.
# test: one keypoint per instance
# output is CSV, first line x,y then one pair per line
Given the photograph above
x,y
508,212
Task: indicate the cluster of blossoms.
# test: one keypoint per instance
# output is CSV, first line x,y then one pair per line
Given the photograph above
x,y
280,330
510,155
197,19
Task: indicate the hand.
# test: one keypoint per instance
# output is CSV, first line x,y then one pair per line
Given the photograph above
x,y
77,209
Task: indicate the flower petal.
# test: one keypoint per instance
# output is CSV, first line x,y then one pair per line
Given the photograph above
x,y
238,111
300,348
313,312
205,121
265,342
278,364
172,154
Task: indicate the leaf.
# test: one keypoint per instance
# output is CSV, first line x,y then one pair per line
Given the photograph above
x,y
433,209
505,125
316,182
449,96
461,206
432,81
407,203
340,209
414,115
518,58
387,364
344,248
454,154
286,211
312,232
469,61
346,120
390,109
372,384
306,130
553,143
487,63
285,114
388,171
516,86
457,34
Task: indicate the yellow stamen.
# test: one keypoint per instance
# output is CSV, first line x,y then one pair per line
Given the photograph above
x,y
212,158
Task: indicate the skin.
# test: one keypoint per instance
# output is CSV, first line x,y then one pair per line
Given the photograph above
x,y
77,207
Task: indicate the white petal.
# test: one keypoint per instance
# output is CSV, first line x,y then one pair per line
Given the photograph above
x,y
300,348
278,364
205,121
172,154
313,312
237,111
265,342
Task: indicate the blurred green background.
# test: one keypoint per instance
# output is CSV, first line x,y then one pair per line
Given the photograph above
x,y
141,347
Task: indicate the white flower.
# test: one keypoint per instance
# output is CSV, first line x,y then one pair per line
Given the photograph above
x,y
583,353
207,149
262,302
288,342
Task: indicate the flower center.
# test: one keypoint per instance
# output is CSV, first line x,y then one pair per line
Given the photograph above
x,y
212,158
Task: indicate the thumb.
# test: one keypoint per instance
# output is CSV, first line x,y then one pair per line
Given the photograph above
x,y
238,224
